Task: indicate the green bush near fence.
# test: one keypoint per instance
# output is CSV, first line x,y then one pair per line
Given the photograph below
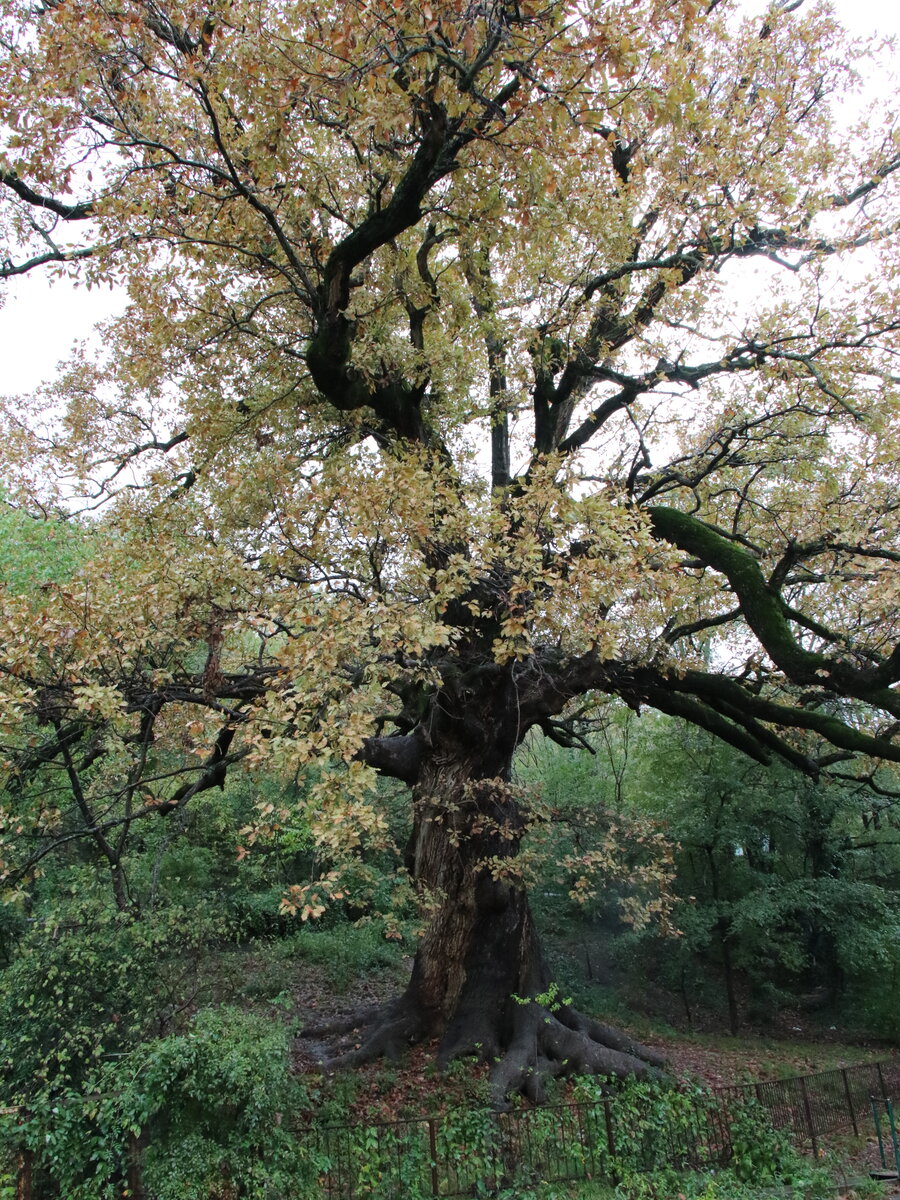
x,y
9,1140
207,1111
657,1132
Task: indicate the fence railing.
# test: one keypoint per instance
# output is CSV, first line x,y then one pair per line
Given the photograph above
x,y
811,1106
469,1152
465,1151
454,1154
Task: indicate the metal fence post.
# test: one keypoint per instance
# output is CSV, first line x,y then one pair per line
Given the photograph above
x,y
24,1165
851,1107
877,1117
133,1172
893,1125
432,1149
610,1135
809,1117
614,1174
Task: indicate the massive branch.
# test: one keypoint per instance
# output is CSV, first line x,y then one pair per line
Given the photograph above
x,y
765,612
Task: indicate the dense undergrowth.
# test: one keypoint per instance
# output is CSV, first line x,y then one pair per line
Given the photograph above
x,y
172,1038
208,1113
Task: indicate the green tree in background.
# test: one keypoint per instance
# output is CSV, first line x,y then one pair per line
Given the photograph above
x,y
788,887
39,550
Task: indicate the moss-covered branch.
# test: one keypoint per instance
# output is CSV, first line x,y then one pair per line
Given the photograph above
x,y
767,615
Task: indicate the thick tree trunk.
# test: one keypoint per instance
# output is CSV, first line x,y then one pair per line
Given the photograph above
x,y
479,983
481,949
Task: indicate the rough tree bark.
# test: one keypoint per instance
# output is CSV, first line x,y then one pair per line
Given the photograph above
x,y
479,983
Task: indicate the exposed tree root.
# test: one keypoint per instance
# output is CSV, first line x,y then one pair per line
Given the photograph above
x,y
525,1046
548,1044
379,1031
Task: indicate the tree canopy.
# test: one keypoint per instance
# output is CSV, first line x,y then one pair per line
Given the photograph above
x,y
481,360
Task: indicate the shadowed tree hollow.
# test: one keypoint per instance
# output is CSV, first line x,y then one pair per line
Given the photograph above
x,y
480,361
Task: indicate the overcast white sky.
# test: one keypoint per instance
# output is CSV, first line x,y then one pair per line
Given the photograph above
x,y
40,323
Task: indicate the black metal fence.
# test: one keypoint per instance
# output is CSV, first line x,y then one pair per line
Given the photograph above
x,y
472,1151
458,1153
469,1152
810,1107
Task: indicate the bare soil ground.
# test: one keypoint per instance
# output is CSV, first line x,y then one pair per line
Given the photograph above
x,y
389,1091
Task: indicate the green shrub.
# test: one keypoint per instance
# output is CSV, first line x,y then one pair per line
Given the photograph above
x,y
346,952
92,984
73,993
208,1107
9,1143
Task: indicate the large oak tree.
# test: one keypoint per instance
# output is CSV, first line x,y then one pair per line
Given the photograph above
x,y
481,359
